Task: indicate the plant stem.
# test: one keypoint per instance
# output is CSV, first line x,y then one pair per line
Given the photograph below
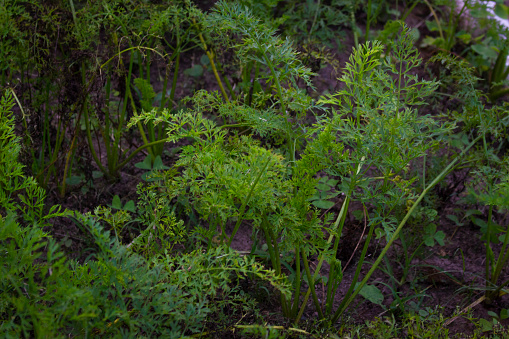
x,y
244,204
400,227
210,55
368,22
298,278
311,283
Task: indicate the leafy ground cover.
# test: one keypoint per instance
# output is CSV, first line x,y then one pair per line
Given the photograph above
x,y
253,169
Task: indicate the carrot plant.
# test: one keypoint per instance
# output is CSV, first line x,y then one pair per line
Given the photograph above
x,y
448,26
277,56
120,287
368,142
494,195
488,166
259,155
378,123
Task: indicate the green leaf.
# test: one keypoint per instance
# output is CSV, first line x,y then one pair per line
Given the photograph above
x,y
504,313
323,187
486,51
116,203
195,71
472,212
464,37
439,237
332,182
158,164
331,195
324,204
492,314
145,164
481,223
479,13
485,325
454,219
432,25
502,11
423,313
129,206
97,174
430,229
204,60
73,180
428,241
373,294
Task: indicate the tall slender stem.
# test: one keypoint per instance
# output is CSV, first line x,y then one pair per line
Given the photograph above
x,y
400,227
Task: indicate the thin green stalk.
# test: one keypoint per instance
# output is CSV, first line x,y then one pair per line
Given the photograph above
x,y
73,143
342,212
253,82
502,259
311,283
286,305
488,249
161,127
67,159
354,24
400,227
174,81
90,143
268,240
353,284
107,122
298,278
314,20
148,63
408,260
210,55
150,126
46,140
407,13
244,204
424,172
334,230
123,113
127,50
436,19
56,150
390,272
140,126
331,282
368,22
274,257
230,88
290,143
140,63
148,145
453,28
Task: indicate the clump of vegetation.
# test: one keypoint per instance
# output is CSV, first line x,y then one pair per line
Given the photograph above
x,y
215,114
